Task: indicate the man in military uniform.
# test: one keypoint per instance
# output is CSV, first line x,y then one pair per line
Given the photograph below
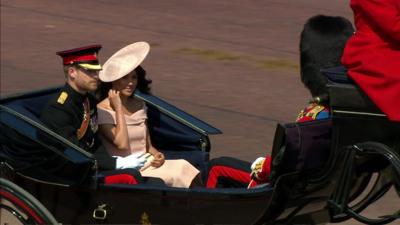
x,y
72,113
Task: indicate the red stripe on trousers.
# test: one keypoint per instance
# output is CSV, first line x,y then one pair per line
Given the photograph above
x,y
120,179
229,172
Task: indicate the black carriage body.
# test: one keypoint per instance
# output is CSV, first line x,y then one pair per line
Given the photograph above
x,y
306,181
72,195
143,204
365,142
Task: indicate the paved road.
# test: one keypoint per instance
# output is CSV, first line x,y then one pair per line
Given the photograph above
x,y
231,63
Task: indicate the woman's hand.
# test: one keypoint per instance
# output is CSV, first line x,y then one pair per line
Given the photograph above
x,y
115,99
158,160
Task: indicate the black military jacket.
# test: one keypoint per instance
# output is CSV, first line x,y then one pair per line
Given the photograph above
x,y
66,115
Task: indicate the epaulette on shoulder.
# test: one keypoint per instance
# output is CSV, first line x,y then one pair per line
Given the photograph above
x,y
313,113
62,98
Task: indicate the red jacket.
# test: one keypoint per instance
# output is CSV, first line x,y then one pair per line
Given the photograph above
x,y
372,55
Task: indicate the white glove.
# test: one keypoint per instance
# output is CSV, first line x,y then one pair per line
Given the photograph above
x,y
129,162
257,164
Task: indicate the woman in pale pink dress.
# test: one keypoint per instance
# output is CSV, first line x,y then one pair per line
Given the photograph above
x,y
122,117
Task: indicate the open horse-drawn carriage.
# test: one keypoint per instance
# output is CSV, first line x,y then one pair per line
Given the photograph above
x,y
320,169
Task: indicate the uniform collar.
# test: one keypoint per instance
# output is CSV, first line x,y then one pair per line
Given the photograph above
x,y
75,96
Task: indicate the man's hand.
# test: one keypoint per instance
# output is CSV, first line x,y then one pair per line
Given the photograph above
x,y
131,162
256,168
257,164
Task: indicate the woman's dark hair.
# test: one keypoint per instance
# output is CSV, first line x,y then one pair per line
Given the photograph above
x,y
143,84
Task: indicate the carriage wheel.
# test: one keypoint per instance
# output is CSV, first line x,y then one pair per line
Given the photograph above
x,y
391,156
386,168
17,205
360,184
396,177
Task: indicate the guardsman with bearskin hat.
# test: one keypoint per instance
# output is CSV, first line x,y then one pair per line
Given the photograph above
x,y
322,41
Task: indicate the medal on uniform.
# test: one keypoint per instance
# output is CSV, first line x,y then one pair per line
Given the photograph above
x,y
93,123
86,120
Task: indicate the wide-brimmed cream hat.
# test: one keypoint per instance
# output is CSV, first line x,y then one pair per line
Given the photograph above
x,y
124,61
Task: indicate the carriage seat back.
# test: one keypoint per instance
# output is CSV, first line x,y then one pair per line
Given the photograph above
x,y
301,147
30,106
175,139
355,117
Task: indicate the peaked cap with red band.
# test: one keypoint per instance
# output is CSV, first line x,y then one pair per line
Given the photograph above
x,y
85,57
